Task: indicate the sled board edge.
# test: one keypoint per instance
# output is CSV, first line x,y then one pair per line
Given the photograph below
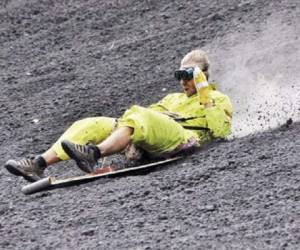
x,y
51,182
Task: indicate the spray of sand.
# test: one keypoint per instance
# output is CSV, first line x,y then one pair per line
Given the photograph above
x,y
260,71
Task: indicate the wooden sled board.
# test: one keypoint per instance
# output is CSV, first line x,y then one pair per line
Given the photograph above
x,y
51,182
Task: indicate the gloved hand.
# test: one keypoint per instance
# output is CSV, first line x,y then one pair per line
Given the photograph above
x,y
202,86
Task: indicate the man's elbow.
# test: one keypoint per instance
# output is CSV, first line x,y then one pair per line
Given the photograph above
x,y
223,131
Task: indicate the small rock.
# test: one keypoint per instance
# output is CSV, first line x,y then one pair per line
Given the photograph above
x,y
189,191
162,217
263,157
289,122
207,208
88,232
210,207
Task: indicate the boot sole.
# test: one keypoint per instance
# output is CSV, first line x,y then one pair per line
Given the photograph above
x,y
18,172
71,154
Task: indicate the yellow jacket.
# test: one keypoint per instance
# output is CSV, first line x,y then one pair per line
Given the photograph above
x,y
192,115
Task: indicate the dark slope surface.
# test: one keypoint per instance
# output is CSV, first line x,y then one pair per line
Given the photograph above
x,y
65,60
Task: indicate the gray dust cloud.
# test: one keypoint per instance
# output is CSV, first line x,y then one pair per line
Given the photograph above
x,y
259,68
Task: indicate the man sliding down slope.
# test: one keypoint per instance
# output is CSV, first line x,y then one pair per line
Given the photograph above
x,y
178,122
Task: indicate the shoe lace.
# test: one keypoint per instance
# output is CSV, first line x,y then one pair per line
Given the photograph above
x,y
26,162
82,148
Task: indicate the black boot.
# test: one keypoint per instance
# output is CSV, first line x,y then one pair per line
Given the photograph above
x,y
86,156
30,169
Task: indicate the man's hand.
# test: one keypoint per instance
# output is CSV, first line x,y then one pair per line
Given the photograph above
x,y
202,87
199,78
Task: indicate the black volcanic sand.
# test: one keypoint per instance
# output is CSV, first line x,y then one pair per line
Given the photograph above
x,y
65,60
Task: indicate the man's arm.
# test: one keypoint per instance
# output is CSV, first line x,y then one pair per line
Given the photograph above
x,y
219,114
217,106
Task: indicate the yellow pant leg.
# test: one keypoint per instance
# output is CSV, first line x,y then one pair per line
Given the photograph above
x,y
154,132
94,130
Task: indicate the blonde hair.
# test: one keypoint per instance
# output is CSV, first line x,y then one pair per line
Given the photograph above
x,y
196,57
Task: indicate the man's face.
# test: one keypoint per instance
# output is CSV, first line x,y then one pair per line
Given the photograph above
x,y
188,87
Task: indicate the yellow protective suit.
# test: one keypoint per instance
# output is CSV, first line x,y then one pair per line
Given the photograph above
x,y
168,126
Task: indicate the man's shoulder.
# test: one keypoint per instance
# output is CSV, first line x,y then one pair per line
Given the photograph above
x,y
218,96
216,93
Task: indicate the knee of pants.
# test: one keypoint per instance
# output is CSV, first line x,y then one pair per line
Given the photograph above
x,y
93,130
154,132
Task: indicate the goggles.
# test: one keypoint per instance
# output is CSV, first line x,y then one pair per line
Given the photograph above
x,y
184,74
